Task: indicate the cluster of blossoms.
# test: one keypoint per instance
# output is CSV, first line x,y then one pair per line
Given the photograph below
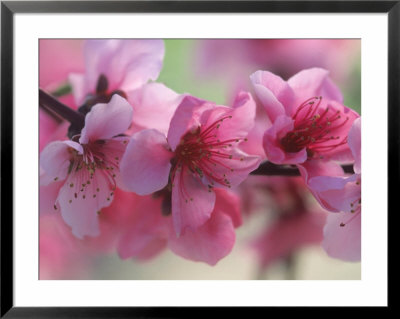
x,y
145,168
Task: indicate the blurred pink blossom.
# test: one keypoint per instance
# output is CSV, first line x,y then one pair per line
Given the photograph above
x,y
293,221
234,59
147,231
116,66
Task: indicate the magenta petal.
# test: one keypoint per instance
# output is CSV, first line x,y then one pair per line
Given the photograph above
x,y
54,160
153,106
186,117
354,141
105,121
314,82
274,93
343,242
145,166
192,202
208,243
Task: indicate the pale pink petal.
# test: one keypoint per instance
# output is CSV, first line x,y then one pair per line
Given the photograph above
x,y
317,168
338,194
254,143
208,243
274,93
127,64
105,121
192,201
342,152
314,168
343,242
271,142
242,118
314,82
55,160
354,141
236,169
186,118
48,194
145,165
80,206
153,106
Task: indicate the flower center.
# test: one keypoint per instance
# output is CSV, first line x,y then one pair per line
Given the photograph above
x,y
205,155
101,158
316,128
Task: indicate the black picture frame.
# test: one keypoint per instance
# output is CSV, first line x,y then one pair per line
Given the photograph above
x,y
9,8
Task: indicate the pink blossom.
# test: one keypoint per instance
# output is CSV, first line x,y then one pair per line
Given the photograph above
x,y
287,235
308,119
233,60
292,222
88,166
200,152
116,66
147,232
340,194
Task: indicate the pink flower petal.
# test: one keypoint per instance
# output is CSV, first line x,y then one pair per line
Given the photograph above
x,y
55,160
354,141
186,118
343,242
338,194
229,203
127,64
145,165
48,194
314,82
144,231
79,209
289,234
208,243
153,106
274,93
236,169
105,121
192,202
317,168
242,121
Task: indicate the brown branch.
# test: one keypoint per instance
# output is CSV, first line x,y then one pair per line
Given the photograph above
x,y
271,169
51,104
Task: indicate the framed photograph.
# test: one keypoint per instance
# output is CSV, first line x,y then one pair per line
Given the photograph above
x,y
158,156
